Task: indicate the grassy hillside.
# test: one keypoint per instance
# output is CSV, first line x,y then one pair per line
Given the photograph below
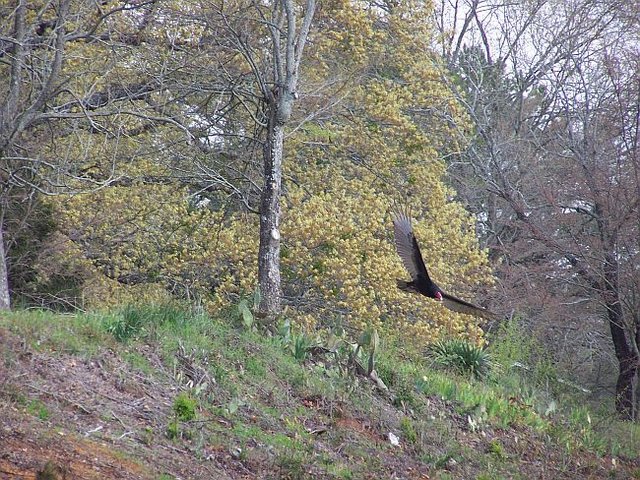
x,y
157,393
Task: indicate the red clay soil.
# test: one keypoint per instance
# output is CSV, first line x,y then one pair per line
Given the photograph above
x,y
92,413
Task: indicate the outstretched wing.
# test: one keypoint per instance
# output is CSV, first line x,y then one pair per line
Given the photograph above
x,y
408,249
458,305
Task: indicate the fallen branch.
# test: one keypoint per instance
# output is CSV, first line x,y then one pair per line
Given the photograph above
x,y
93,430
57,396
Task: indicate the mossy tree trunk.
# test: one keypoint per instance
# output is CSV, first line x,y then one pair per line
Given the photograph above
x,y
5,299
288,37
269,250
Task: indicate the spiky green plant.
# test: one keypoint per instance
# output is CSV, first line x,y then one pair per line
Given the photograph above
x,y
461,357
129,324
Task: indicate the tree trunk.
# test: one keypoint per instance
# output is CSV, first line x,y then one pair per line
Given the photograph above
x,y
636,412
279,98
628,369
269,250
628,361
5,299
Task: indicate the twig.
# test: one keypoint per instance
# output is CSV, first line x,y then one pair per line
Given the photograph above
x,y
94,430
113,414
171,447
63,398
14,474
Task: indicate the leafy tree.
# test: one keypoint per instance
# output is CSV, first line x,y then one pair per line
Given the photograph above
x,y
373,124
381,143
62,78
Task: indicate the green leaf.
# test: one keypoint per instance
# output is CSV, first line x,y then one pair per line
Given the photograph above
x,y
365,338
256,298
245,312
285,330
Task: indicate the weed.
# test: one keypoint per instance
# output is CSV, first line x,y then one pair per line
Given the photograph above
x,y
217,372
74,334
512,343
490,476
242,313
255,367
184,407
297,378
404,397
136,321
246,432
441,461
172,429
386,372
407,428
38,409
148,436
291,465
232,407
301,345
496,449
461,356
128,325
51,471
369,340
297,344
245,314
138,361
345,474
13,393
526,370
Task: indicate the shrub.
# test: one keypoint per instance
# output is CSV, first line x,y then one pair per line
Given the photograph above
x,y
184,406
461,357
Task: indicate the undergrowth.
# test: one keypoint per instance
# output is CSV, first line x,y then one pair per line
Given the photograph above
x,y
281,390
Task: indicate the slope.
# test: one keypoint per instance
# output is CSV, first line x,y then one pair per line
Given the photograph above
x,y
155,393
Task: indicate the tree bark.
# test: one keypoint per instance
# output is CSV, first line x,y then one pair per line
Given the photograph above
x,y
269,250
287,54
5,299
628,360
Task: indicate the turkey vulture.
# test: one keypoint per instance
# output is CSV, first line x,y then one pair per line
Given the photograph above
x,y
409,251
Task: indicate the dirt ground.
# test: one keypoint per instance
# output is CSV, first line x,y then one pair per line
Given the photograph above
x,y
92,419
63,416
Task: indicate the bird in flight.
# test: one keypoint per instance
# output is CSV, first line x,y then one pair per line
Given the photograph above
x,y
421,283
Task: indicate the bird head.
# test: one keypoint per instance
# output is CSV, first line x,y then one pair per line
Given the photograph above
x,y
439,296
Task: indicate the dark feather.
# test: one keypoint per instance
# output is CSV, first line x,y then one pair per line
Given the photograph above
x,y
461,306
409,252
408,248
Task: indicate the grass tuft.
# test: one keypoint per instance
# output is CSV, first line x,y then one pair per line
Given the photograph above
x,y
461,357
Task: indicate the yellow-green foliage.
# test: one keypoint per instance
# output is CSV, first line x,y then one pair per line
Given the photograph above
x,y
383,142
140,235
338,257
339,249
